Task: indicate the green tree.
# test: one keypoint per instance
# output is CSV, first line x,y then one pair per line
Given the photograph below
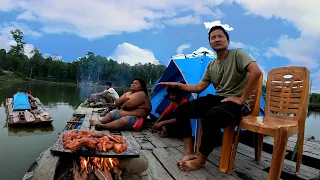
x,y
91,68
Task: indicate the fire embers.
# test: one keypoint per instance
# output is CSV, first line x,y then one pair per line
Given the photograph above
x,y
93,139
96,168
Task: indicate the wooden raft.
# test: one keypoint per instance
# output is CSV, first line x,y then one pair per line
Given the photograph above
x,y
26,117
163,153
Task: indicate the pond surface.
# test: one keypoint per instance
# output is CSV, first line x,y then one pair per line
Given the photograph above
x,y
20,147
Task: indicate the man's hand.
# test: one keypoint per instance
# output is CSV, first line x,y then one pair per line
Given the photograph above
x,y
157,125
170,84
94,122
237,100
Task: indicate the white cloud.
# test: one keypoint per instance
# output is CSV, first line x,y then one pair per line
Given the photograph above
x,y
55,58
302,51
7,27
131,54
300,13
27,15
209,25
8,5
6,38
252,50
183,47
304,15
95,18
189,19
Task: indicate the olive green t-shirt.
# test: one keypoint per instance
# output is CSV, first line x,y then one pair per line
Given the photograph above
x,y
229,77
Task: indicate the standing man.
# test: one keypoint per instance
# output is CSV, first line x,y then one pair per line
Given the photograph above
x,y
234,74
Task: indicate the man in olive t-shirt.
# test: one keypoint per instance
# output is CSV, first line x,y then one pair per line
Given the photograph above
x,y
229,77
234,74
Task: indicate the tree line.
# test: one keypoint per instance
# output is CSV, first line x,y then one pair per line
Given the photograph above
x,y
91,68
88,69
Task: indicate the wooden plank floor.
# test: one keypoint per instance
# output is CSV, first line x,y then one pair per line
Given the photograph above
x,y
162,154
311,148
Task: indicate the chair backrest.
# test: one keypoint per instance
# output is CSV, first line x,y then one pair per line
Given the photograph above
x,y
288,93
254,98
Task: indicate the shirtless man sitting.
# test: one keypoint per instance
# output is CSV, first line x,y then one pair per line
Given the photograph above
x,y
132,105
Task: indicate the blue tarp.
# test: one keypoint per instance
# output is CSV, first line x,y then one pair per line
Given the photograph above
x,y
20,102
189,70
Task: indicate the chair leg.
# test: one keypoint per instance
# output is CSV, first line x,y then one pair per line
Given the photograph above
x,y
300,150
258,143
234,151
227,141
278,154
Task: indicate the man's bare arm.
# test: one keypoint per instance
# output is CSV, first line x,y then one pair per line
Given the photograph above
x,y
134,101
121,100
254,75
101,93
198,88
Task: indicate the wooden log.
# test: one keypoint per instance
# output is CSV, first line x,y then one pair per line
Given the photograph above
x,y
106,171
76,173
100,175
84,176
46,166
117,171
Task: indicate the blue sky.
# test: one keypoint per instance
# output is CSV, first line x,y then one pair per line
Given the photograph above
x,y
276,33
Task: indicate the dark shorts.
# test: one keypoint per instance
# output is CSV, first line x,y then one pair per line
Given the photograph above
x,y
115,114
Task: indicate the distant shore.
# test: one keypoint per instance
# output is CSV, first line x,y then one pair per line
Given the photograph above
x,y
17,78
314,106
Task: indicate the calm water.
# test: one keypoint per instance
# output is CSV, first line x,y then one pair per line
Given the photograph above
x,y
20,147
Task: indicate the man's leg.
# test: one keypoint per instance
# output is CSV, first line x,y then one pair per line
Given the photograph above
x,y
109,98
114,114
123,123
220,116
118,124
192,110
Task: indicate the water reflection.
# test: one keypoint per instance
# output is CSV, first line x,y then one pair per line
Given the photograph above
x,y
30,131
21,146
49,94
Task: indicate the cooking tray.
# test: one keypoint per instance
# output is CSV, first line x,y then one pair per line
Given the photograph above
x,y
57,148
